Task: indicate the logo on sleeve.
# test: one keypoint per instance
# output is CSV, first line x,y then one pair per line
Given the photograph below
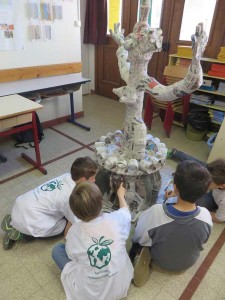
x,y
99,253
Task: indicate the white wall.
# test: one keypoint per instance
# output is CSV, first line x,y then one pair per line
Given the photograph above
x,y
66,47
87,54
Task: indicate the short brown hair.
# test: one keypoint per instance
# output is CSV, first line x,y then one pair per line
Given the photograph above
x,y
83,167
217,170
86,201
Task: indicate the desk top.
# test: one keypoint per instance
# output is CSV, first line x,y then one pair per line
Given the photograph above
x,y
14,105
16,87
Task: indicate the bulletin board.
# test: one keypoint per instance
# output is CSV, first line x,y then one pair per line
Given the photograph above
x,y
42,57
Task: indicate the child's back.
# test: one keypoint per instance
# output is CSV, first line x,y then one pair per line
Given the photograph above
x,y
94,261
176,232
40,211
175,238
44,211
100,266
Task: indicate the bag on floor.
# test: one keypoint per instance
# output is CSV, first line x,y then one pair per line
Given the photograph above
x,y
27,136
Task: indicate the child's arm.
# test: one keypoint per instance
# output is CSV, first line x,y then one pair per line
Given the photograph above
x,y
121,196
68,225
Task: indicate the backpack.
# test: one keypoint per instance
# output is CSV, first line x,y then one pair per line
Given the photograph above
x,y
27,135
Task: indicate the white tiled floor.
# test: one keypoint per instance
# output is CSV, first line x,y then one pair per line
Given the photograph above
x,y
28,272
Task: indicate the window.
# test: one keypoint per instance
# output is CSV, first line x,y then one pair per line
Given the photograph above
x,y
195,11
114,13
155,13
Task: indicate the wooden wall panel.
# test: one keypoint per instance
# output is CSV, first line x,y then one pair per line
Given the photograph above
x,y
16,74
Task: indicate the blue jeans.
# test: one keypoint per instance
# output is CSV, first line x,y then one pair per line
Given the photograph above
x,y
181,156
60,256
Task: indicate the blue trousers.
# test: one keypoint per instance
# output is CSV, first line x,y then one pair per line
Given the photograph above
x,y
60,256
181,156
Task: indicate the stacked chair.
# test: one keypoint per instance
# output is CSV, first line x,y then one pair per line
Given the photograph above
x,y
166,110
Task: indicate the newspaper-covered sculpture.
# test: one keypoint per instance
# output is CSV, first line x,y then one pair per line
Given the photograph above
x,y
132,152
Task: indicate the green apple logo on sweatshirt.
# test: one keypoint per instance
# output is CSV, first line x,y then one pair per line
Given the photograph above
x,y
52,185
99,253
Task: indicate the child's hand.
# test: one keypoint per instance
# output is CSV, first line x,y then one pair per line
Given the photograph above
x,y
121,191
169,194
121,196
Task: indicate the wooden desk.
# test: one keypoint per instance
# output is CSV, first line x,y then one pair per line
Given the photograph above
x,y
66,83
17,110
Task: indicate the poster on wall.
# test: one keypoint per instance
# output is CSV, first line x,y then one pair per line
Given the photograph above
x,y
33,10
11,37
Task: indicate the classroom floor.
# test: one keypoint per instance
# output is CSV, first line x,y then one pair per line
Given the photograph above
x,y
27,271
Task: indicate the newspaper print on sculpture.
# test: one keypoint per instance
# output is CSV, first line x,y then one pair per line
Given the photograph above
x,y
132,153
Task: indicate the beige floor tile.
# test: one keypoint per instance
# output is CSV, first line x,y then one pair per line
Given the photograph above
x,y
164,295
221,293
148,292
20,285
205,292
54,290
40,295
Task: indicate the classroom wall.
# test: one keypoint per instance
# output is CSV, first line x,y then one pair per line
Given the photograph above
x,y
64,48
87,55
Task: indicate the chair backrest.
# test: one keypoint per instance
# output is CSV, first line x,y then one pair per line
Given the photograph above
x,y
173,74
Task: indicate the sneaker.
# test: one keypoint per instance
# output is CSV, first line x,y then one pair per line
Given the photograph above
x,y
12,233
6,222
7,242
170,153
141,267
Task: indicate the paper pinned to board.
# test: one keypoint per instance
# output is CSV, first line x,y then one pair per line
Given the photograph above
x,y
11,33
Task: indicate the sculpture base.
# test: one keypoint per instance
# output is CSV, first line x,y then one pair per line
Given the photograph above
x,y
141,191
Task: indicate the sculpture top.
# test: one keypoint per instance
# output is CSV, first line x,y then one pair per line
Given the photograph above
x,y
136,49
134,53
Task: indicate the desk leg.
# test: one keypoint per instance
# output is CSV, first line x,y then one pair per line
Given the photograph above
x,y
36,163
72,117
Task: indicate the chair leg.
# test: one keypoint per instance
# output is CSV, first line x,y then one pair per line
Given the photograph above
x,y
149,108
167,124
161,113
186,105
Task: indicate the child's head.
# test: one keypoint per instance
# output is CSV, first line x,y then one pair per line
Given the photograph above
x,y
86,201
217,170
83,168
191,180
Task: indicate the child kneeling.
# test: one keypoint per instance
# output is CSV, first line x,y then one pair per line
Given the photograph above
x,y
94,261
44,211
